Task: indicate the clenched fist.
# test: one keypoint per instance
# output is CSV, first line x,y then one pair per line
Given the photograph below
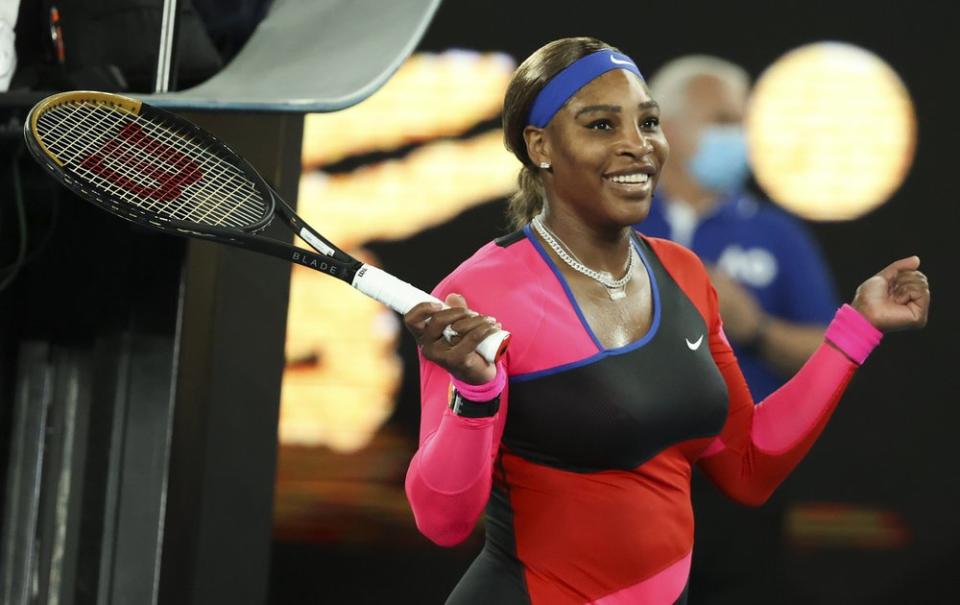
x,y
897,298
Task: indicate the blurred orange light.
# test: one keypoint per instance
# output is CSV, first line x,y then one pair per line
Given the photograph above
x,y
399,198
431,95
346,393
831,131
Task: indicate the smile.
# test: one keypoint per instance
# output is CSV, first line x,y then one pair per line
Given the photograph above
x,y
636,177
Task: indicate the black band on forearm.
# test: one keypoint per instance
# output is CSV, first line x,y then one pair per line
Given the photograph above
x,y
473,409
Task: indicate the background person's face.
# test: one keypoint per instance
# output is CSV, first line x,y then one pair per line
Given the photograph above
x,y
710,101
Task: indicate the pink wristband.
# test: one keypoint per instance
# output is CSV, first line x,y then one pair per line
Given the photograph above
x,y
482,392
853,334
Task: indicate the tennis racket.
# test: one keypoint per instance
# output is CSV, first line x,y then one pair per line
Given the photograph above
x,y
158,170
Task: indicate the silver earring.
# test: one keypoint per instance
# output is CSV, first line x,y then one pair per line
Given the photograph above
x,y
545,165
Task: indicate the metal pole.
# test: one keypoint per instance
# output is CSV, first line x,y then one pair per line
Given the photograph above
x,y
166,70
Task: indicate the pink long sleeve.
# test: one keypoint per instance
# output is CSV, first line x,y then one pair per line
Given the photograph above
x,y
448,481
761,444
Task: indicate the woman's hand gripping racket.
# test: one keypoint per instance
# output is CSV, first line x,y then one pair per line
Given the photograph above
x,y
158,170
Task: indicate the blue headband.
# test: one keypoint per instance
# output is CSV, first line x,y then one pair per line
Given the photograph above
x,y
571,79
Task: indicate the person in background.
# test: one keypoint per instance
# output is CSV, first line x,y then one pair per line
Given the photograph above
x,y
776,295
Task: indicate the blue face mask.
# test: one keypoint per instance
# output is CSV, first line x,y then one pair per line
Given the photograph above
x,y
720,163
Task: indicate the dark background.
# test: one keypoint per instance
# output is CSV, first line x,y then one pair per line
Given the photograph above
x,y
890,445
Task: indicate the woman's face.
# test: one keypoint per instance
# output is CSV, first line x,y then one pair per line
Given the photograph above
x,y
606,150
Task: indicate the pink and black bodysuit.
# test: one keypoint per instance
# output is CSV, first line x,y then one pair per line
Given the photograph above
x,y
584,472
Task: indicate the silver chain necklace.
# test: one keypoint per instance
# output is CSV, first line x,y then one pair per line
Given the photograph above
x,y
615,287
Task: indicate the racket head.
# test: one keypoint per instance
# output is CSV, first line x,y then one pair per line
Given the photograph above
x,y
147,165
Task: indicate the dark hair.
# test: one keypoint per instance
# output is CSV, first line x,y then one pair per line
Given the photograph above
x,y
527,82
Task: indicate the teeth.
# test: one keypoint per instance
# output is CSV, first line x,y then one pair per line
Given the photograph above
x,y
638,177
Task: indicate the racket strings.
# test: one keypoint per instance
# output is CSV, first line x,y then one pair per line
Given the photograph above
x,y
86,142
150,165
207,166
220,168
210,210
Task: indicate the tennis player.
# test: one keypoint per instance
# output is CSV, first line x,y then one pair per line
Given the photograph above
x,y
579,442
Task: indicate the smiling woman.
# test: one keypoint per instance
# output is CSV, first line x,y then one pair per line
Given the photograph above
x,y
619,378
605,148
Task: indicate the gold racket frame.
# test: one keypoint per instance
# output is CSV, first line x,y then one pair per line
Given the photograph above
x,y
128,104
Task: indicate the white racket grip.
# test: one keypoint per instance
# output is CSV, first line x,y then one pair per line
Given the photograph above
x,y
401,297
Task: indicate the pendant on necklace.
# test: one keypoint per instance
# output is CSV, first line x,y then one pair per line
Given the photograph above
x,y
617,293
